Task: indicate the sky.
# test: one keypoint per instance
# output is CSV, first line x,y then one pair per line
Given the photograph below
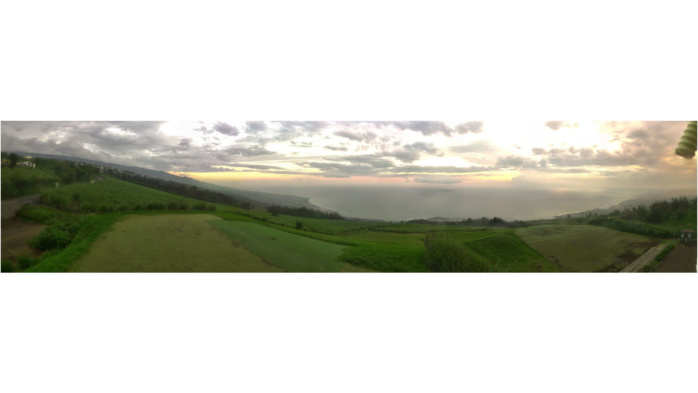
x,y
565,155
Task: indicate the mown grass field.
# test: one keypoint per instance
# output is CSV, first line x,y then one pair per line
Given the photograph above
x,y
586,248
287,250
169,243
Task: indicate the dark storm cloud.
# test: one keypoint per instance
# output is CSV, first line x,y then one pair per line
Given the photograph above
x,y
282,131
357,136
510,161
638,134
432,127
225,128
406,155
184,142
471,126
240,150
253,127
422,147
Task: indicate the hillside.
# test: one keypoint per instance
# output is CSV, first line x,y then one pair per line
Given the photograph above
x,y
256,197
627,204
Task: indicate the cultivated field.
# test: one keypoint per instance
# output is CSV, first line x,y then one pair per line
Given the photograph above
x,y
586,248
169,243
289,251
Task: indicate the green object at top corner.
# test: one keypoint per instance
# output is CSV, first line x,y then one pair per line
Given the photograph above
x,y
687,144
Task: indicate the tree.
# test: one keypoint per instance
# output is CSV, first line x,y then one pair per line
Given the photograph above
x,y
14,158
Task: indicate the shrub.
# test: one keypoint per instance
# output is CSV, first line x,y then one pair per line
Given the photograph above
x,y
24,262
447,255
156,206
7,266
54,237
172,205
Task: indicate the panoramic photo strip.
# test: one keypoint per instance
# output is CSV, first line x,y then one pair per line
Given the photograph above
x,y
349,196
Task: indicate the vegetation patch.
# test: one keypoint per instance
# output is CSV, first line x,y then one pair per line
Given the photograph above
x,y
507,252
111,195
169,243
444,254
658,259
289,251
586,248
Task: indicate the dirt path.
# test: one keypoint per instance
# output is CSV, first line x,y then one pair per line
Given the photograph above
x,y
681,259
15,235
645,259
10,207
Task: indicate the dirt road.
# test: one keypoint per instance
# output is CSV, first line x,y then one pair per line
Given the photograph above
x,y
645,259
15,235
10,207
681,259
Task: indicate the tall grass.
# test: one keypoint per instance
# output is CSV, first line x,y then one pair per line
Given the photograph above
x,y
448,255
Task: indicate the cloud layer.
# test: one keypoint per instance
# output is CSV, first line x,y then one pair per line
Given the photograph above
x,y
420,151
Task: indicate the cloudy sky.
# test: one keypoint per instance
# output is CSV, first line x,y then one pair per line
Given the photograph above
x,y
494,153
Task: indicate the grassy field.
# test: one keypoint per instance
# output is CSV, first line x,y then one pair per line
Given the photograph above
x,y
586,248
507,252
112,195
169,243
289,251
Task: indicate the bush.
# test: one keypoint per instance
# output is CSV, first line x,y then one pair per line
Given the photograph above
x,y
447,255
24,262
41,214
53,237
155,206
7,266
638,227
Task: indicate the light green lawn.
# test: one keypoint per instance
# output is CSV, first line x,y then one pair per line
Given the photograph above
x,y
169,243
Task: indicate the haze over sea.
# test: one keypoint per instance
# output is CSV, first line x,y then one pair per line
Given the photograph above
x,y
396,203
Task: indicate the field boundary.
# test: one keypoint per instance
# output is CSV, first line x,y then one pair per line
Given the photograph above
x,y
645,259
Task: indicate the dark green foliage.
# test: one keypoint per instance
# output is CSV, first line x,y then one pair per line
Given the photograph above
x,y
299,225
55,236
303,212
86,230
7,266
20,181
448,255
41,214
677,212
24,262
638,227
